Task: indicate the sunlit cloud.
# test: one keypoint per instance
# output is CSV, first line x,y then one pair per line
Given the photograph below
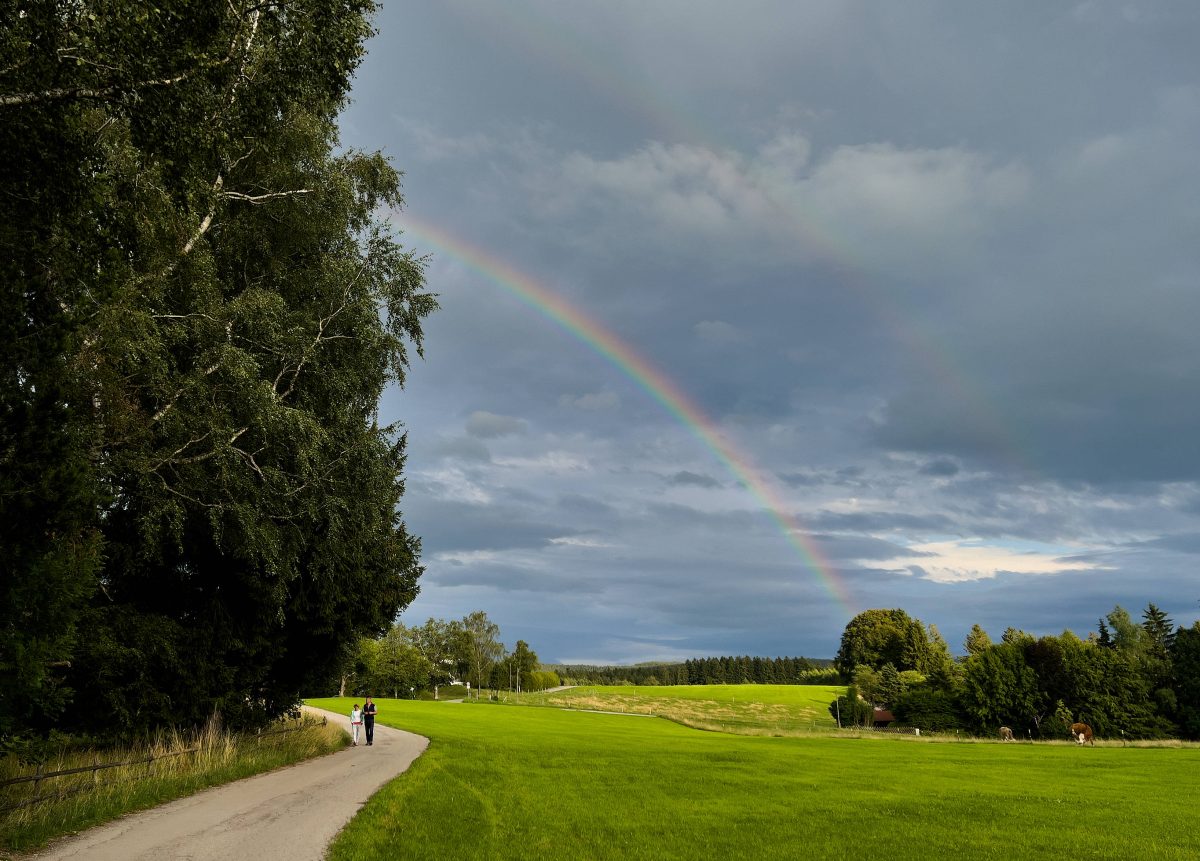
x,y
963,560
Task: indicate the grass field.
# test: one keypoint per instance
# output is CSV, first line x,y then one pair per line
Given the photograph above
x,y
741,709
503,782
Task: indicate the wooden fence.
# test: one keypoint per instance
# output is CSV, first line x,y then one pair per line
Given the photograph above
x,y
41,774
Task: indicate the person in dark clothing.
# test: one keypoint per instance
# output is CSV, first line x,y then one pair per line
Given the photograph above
x,y
369,719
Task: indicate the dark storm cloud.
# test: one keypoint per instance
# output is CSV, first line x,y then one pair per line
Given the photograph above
x,y
1186,543
844,549
446,525
941,467
926,271
878,521
684,477
799,479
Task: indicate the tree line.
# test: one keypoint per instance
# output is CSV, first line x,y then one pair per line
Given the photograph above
x,y
726,670
1129,678
200,307
411,660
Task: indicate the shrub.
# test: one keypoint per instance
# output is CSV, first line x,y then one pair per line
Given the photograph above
x,y
928,709
852,710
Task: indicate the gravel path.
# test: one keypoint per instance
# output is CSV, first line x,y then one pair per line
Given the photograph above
x,y
292,813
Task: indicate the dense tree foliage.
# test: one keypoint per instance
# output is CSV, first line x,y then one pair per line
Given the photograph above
x,y
1185,657
650,673
440,652
852,709
726,670
932,709
999,687
1128,680
200,312
874,638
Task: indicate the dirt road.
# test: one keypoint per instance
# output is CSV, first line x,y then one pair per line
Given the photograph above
x,y
291,814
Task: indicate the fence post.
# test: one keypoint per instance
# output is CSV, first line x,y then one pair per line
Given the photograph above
x,y
37,779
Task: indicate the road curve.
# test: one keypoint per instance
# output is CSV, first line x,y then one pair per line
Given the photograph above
x,y
292,813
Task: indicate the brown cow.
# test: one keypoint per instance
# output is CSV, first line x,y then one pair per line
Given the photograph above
x,y
1082,733
1006,734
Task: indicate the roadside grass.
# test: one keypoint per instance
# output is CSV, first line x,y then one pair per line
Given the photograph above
x,y
784,710
222,757
528,783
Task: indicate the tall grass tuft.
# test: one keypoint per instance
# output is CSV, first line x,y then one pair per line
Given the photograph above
x,y
170,765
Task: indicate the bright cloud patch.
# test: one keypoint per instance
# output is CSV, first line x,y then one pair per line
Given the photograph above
x,y
879,198
453,484
576,541
549,463
964,560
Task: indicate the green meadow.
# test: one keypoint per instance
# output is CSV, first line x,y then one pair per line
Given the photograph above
x,y
741,709
505,782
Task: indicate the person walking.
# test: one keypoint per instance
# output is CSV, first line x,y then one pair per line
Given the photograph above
x,y
356,721
369,720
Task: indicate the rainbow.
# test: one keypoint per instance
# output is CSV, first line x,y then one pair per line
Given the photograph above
x,y
645,376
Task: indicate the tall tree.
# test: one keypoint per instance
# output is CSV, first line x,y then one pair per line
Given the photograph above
x,y
938,661
977,640
482,647
438,642
1159,627
1185,654
891,686
878,637
1127,635
869,683
1000,688
1160,634
400,666
201,310
525,661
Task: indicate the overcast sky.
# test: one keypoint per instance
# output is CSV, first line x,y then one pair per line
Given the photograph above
x,y
759,314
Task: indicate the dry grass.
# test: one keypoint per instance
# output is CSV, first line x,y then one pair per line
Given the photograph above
x,y
736,714
170,766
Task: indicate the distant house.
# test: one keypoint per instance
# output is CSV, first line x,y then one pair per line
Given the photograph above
x,y
883,718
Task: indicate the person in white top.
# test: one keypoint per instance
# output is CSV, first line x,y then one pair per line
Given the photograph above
x,y
355,722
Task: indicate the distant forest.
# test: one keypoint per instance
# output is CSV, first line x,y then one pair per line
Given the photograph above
x,y
739,670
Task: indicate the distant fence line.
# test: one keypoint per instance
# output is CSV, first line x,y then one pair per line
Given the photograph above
x,y
41,774
895,730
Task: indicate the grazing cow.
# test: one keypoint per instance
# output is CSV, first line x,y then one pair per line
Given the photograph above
x,y
1006,734
1082,733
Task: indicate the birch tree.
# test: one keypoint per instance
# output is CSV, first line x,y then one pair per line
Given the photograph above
x,y
201,309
